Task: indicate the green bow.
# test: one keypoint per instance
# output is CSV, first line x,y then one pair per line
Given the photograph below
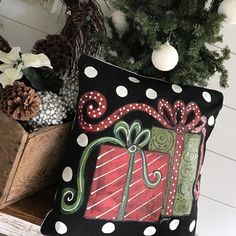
x,y
135,139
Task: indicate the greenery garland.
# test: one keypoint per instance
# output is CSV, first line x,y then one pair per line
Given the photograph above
x,y
189,25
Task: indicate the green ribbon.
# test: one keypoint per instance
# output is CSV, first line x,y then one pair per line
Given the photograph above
x,y
132,137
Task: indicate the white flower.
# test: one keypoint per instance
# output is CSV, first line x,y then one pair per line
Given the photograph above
x,y
33,60
14,63
11,66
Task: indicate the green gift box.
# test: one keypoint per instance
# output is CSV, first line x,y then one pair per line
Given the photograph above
x,y
183,138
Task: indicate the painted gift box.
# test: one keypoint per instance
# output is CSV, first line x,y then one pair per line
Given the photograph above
x,y
120,189
129,183
183,139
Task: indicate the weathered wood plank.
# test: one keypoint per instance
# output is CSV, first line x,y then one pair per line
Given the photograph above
x,y
222,139
12,143
24,218
28,162
19,35
12,226
41,162
215,219
33,208
217,176
34,16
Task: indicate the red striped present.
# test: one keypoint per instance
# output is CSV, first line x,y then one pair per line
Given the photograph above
x,y
143,203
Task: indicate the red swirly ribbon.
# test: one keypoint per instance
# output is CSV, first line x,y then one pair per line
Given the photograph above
x,y
95,104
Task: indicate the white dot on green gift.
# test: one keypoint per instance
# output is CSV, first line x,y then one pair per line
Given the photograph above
x,y
151,93
121,91
174,224
108,228
67,174
90,72
60,227
82,140
149,231
176,88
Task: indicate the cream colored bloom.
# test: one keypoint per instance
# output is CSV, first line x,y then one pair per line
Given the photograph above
x,y
11,66
35,60
14,63
10,75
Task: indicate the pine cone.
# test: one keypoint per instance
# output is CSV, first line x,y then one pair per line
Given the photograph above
x,y
19,101
58,49
4,46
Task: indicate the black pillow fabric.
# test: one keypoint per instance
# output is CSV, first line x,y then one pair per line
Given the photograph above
x,y
135,156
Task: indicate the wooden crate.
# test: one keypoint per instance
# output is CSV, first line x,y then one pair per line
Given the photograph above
x,y
28,162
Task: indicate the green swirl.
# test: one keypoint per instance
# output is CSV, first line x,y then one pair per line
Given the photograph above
x,y
182,206
184,190
187,175
157,173
191,149
186,171
162,140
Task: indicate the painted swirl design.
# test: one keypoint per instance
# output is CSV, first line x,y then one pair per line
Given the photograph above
x,y
186,171
162,140
182,206
187,175
191,147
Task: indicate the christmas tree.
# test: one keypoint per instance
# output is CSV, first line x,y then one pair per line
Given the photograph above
x,y
141,27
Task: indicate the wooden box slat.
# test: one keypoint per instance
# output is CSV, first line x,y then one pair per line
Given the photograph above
x,y
34,208
28,162
25,216
12,144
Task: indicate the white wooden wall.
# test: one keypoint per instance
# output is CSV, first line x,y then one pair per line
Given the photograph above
x,y
217,205
23,24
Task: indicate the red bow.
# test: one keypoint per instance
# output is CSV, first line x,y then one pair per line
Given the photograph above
x,y
181,118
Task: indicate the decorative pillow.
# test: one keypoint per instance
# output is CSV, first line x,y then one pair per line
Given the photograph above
x,y
135,159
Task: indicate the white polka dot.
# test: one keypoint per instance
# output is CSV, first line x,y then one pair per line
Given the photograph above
x,y
121,91
174,224
90,72
82,140
134,80
149,231
151,94
60,227
108,228
176,88
211,121
206,96
192,226
67,174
